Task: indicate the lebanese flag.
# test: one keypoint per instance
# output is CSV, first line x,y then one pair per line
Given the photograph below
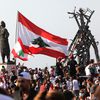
x,y
34,40
18,51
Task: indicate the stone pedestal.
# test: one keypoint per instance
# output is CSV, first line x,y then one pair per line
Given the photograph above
x,y
7,67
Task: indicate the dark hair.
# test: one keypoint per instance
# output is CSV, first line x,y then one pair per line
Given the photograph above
x,y
90,79
91,61
3,24
55,95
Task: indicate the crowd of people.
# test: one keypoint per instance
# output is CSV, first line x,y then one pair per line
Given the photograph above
x,y
62,82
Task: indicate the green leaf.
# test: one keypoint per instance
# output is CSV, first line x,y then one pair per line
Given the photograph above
x,y
21,53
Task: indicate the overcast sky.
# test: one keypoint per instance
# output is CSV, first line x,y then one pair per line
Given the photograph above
x,y
51,15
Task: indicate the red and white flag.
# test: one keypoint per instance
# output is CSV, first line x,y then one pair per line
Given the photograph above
x,y
34,40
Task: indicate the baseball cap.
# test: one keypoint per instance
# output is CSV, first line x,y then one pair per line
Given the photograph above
x,y
5,97
25,75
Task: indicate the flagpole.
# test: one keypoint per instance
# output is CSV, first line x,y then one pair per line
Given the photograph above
x,y
16,33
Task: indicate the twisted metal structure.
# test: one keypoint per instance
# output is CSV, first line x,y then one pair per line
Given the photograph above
x,y
83,40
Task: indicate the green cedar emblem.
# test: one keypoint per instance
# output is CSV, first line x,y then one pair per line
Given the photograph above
x,y
21,53
39,41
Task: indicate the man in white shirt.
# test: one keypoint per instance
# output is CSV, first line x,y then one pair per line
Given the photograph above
x,y
87,70
90,69
75,86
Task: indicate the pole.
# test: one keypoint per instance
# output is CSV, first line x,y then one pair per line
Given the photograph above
x,y
16,33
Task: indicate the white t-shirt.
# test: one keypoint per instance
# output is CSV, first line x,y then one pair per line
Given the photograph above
x,y
52,80
68,84
75,84
35,76
87,70
2,85
97,69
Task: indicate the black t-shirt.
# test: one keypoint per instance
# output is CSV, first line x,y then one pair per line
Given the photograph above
x,y
72,67
14,77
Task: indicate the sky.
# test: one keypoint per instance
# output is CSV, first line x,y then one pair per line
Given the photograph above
x,y
51,15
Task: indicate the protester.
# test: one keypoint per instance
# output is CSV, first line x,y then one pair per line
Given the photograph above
x,y
75,86
23,86
72,66
44,84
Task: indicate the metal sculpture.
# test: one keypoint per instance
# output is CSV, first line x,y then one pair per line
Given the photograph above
x,y
83,40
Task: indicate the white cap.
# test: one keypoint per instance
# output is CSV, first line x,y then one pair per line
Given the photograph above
x,y
5,97
25,75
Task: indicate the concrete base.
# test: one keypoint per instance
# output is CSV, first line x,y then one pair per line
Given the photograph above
x,y
7,67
